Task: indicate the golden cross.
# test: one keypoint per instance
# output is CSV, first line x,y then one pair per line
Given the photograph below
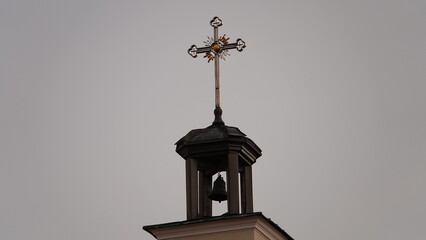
x,y
216,48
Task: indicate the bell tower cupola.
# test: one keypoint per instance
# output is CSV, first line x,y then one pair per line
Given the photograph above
x,y
218,148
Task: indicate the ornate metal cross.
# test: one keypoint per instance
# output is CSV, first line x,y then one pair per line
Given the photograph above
x,y
216,48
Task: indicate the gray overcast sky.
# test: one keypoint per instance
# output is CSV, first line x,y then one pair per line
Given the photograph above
x,y
94,94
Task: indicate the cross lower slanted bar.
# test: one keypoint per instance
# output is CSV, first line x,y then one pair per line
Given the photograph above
x,y
216,48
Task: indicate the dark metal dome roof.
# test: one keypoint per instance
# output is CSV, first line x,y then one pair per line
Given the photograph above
x,y
216,140
212,133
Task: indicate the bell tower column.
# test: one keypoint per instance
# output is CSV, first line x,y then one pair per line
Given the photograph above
x,y
205,188
191,189
246,190
232,180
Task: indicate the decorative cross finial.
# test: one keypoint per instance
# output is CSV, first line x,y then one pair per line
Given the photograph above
x,y
216,48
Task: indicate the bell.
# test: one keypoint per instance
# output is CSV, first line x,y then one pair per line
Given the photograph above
x,y
219,191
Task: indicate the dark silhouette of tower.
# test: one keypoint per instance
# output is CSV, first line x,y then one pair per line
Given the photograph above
x,y
210,151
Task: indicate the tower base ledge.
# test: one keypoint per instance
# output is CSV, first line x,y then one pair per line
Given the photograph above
x,y
250,226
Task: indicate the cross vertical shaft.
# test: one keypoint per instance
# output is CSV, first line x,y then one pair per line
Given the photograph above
x,y
217,81
216,70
